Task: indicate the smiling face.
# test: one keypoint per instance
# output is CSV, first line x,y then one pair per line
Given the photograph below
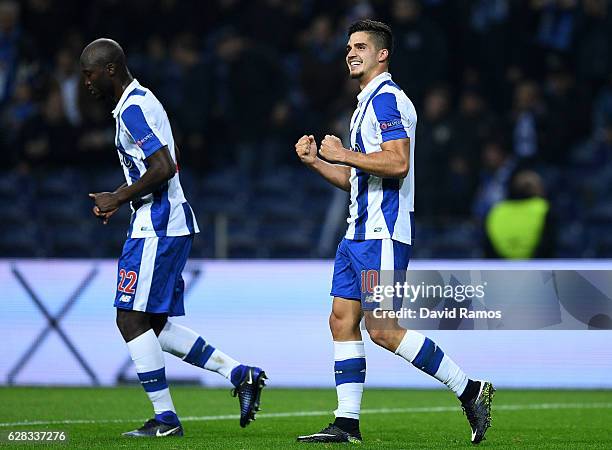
x,y
363,57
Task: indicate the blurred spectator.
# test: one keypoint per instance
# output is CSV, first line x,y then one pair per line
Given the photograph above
x,y
594,52
602,106
47,138
486,39
95,140
435,141
191,84
522,226
250,85
342,110
10,36
322,70
50,18
21,107
497,168
567,113
471,126
487,14
499,85
557,23
279,19
151,66
526,121
595,154
68,77
421,52
474,122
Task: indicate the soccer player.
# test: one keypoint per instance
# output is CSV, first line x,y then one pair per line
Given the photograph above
x,y
162,228
378,171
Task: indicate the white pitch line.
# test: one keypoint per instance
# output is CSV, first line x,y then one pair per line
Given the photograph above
x,y
426,409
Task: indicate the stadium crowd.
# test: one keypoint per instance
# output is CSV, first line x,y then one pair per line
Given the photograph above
x,y
499,86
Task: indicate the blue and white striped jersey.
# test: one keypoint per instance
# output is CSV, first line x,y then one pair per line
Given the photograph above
x,y
382,208
142,128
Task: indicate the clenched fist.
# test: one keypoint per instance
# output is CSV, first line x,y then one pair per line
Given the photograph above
x,y
333,150
306,149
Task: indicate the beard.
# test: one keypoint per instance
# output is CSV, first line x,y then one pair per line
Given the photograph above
x,y
97,95
355,75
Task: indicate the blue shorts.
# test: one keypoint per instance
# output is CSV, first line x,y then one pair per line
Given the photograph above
x,y
354,258
149,274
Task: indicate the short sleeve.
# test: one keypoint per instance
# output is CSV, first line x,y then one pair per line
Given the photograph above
x,y
389,117
144,135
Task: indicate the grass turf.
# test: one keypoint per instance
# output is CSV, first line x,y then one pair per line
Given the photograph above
x,y
583,422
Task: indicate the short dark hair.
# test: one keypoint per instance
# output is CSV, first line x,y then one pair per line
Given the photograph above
x,y
381,32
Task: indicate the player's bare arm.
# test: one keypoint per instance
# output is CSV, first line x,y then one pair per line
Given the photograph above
x,y
105,216
160,168
393,161
306,149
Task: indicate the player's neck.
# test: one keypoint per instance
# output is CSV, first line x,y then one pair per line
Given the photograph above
x,y
363,82
122,86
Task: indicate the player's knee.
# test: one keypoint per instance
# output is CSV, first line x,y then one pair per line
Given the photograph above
x,y
132,324
384,332
158,322
384,338
341,325
121,321
335,324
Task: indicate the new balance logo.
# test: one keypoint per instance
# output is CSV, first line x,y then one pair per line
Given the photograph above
x,y
125,298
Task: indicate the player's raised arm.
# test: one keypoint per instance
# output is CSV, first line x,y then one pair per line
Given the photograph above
x,y
393,161
306,149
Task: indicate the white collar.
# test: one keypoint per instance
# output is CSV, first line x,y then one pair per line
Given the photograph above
x,y
372,85
126,93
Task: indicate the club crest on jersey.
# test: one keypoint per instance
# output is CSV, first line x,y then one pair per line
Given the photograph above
x,y
389,124
127,162
140,142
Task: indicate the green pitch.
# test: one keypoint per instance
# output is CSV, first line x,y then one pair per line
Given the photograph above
x,y
392,419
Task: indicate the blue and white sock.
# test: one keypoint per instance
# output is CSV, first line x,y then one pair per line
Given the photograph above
x,y
192,348
149,361
425,355
350,372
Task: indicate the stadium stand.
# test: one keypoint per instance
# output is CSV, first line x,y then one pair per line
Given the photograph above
x,y
243,80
